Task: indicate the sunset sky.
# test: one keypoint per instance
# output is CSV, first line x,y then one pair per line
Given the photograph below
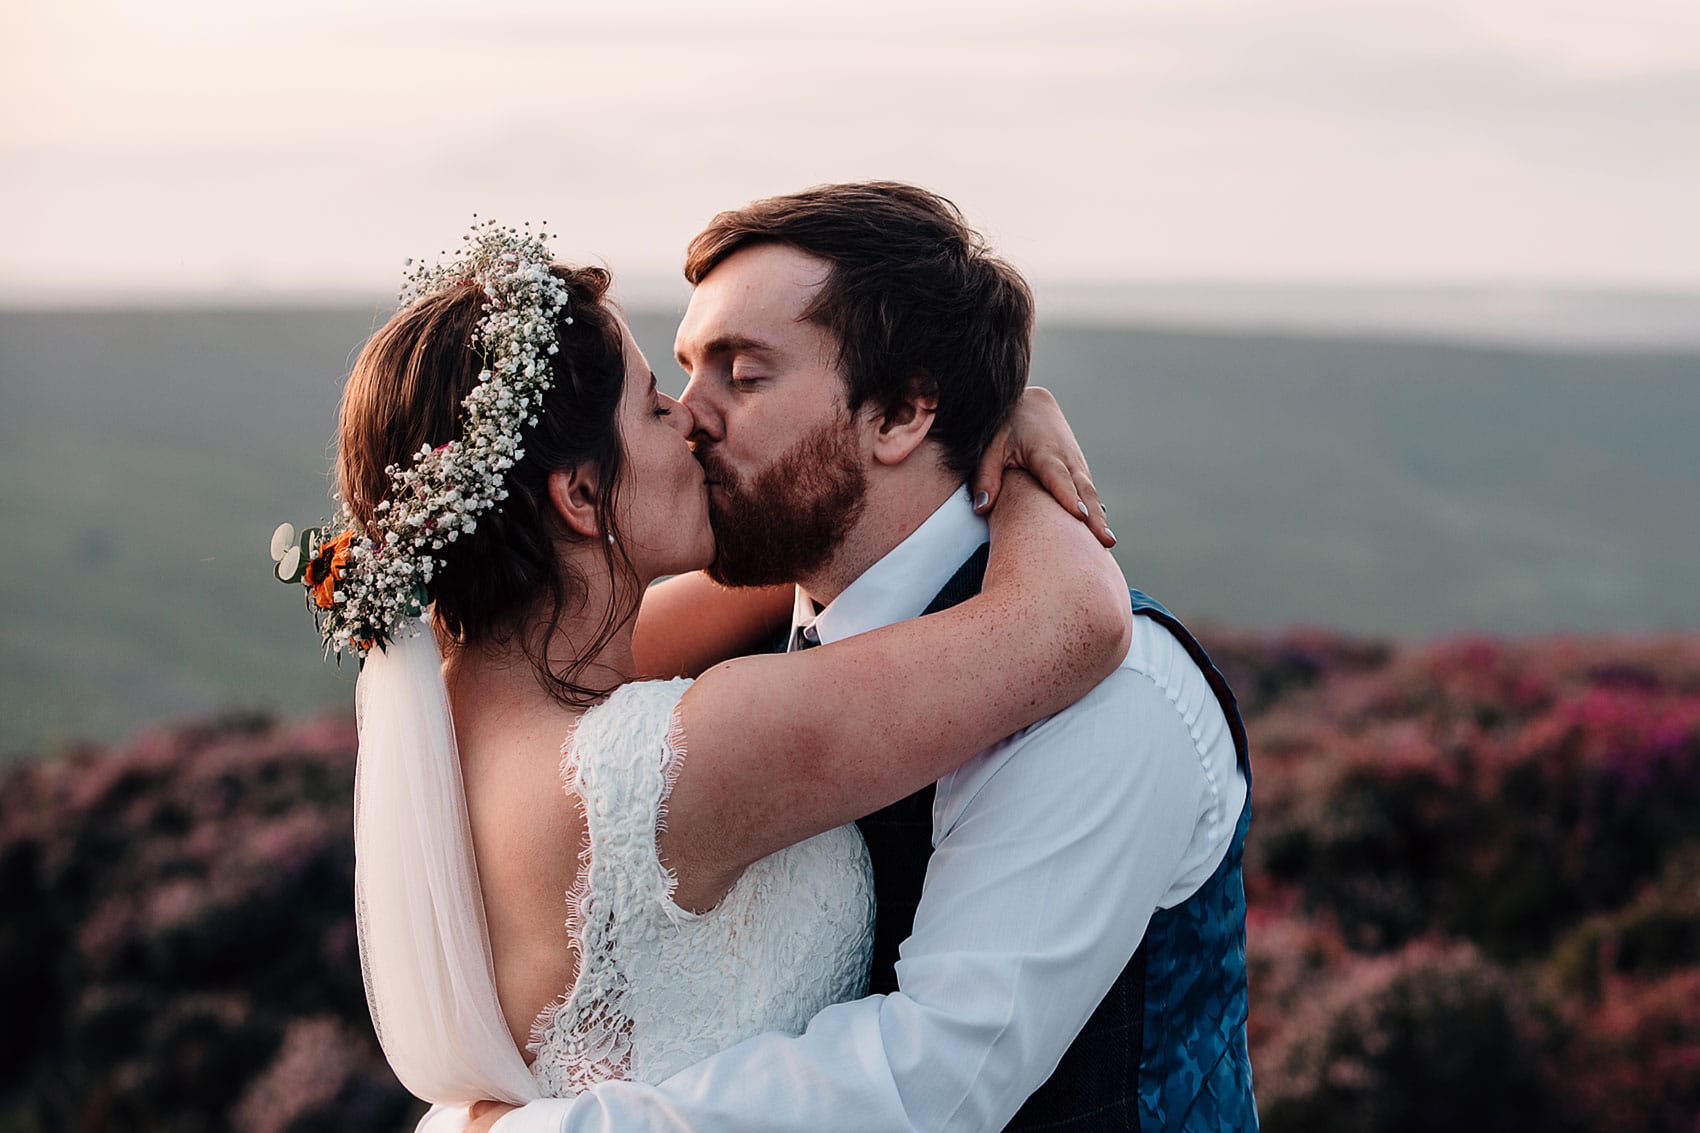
x,y
187,148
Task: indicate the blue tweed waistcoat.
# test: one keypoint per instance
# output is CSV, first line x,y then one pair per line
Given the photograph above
x,y
1166,1048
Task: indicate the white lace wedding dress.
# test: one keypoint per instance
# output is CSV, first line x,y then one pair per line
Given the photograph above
x,y
659,987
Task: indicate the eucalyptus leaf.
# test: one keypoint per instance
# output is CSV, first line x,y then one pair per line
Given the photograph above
x,y
282,538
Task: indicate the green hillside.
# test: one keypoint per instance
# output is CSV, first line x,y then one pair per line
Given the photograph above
x,y
1386,487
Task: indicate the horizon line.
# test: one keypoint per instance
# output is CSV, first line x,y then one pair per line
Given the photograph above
x,y
1544,319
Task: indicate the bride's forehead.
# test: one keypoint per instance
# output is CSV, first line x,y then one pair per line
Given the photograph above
x,y
639,381
630,351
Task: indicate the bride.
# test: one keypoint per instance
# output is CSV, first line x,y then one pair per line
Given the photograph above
x,y
678,875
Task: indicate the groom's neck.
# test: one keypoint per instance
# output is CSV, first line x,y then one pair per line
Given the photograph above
x,y
898,501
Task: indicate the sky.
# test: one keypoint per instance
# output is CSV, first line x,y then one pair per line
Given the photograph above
x,y
226,148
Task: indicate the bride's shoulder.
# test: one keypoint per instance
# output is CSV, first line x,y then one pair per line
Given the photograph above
x,y
638,695
636,715
636,699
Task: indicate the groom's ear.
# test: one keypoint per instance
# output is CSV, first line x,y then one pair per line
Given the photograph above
x,y
903,426
573,494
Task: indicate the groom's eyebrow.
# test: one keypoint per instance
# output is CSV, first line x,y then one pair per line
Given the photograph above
x,y
732,344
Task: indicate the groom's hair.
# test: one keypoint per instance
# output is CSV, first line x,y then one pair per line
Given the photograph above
x,y
918,303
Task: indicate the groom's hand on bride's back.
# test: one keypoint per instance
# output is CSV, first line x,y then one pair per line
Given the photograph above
x,y
482,1116
1037,439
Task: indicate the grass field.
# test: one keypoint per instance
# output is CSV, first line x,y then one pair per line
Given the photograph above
x,y
1404,488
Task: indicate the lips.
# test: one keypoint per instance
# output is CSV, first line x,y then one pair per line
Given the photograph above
x,y
713,476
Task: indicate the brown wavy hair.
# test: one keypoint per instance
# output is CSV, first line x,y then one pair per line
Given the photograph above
x,y
503,582
915,297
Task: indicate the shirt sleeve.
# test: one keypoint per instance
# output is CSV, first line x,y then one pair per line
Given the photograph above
x,y
1053,850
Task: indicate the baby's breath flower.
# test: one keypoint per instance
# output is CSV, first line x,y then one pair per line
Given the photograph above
x,y
383,580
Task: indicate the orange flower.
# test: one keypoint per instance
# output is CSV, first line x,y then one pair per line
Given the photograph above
x,y
325,571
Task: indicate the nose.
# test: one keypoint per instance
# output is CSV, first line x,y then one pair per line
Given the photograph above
x,y
681,417
706,422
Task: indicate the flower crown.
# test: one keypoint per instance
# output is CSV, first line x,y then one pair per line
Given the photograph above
x,y
362,585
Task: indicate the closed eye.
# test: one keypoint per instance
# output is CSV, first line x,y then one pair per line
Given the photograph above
x,y
662,409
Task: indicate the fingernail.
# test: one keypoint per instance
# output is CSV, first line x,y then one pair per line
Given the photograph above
x,y
1111,534
981,499
1081,504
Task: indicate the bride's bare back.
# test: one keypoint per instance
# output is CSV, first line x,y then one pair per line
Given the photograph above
x,y
526,833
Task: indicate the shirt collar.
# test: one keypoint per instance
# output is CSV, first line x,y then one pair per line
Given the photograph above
x,y
904,582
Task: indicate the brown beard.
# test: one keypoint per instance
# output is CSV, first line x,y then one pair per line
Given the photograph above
x,y
790,518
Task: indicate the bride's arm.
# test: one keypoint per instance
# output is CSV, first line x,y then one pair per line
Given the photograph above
x,y
783,747
689,623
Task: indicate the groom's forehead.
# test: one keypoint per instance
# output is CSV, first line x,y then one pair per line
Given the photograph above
x,y
727,343
757,295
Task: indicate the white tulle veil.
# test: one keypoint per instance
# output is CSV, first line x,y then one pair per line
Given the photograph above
x,y
424,944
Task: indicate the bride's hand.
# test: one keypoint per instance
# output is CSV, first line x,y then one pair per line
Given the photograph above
x,y
484,1115
1038,439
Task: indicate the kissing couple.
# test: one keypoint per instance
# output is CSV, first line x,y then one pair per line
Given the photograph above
x,y
885,810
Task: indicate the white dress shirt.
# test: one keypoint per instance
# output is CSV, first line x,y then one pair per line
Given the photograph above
x,y
1052,850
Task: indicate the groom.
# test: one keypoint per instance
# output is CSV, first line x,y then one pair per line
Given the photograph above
x,y
1060,940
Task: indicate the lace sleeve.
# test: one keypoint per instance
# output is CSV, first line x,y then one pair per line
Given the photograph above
x,y
619,764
